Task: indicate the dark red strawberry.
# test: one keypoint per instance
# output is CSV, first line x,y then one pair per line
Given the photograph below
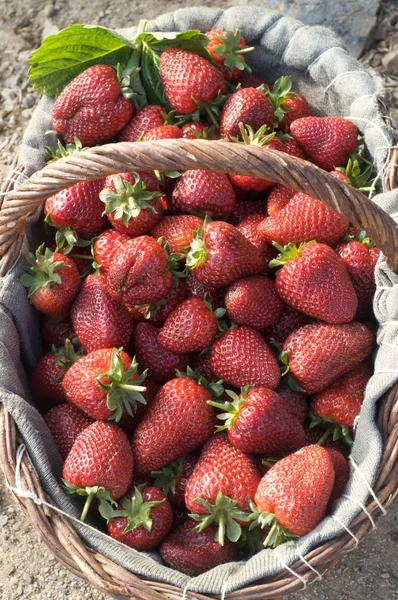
x,y
54,333
249,228
278,197
146,119
173,478
249,106
245,207
296,402
292,147
290,320
177,231
227,49
253,301
204,192
164,132
157,313
341,474
105,247
200,130
202,364
212,294
66,422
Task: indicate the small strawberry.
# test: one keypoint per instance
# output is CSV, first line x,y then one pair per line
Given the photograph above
x,y
53,282
319,353
341,474
92,107
164,132
106,245
296,402
249,228
204,192
146,119
200,130
66,422
327,141
227,49
142,520
253,301
278,197
249,106
178,421
290,320
100,465
241,357
177,231
158,312
173,478
54,333
104,384
245,207
288,105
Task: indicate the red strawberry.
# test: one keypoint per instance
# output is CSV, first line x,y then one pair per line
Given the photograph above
x,y
99,321
245,207
297,107
104,384
249,80
292,147
293,495
227,50
138,273
66,422
259,422
223,497
296,402
177,231
164,132
254,302
249,228
314,281
54,333
53,282
341,474
195,552
319,353
200,130
80,253
133,202
106,245
249,106
278,198
328,141
241,357
161,363
290,320
220,255
202,364
178,421
99,465
91,107
204,191
173,478
189,79
157,313
146,119
144,519
321,437
213,294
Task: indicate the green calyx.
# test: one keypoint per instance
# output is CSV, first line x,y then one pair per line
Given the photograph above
x,y
103,496
276,534
126,75
223,515
281,91
166,478
214,387
210,110
68,354
198,251
337,431
150,310
42,270
174,263
128,200
230,48
287,253
359,173
136,511
253,138
122,393
54,153
361,236
231,409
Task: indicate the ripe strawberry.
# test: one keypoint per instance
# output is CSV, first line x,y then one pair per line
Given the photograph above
x,y
200,130
161,363
259,422
100,465
173,478
164,132
177,231
249,106
292,147
220,255
99,321
249,228
158,312
133,202
53,282
106,245
253,301
293,495
288,104
91,107
212,294
296,402
319,353
245,207
189,79
138,273
144,518
195,552
328,141
66,422
205,192
278,198
104,384
290,320
225,496
241,357
201,363
314,281
227,49
178,421
54,333
249,80
341,474
146,119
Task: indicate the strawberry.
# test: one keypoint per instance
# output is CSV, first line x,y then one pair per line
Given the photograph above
x,y
191,327
105,247
225,496
227,49
258,422
290,320
341,474
249,80
249,228
178,421
53,282
253,301
220,255
164,132
327,141
177,231
245,207
104,384
54,333
288,104
133,202
80,253
292,147
66,422
278,198
319,353
189,79
296,402
210,293
293,495
161,363
99,321
144,518
100,465
173,478
249,106
201,363
241,357
200,130
138,273
91,107
314,281
205,192
158,312
195,552
146,119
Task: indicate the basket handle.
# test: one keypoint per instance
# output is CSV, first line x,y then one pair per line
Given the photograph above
x,y
183,154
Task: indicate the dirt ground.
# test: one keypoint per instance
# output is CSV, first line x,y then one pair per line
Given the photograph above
x,y
26,569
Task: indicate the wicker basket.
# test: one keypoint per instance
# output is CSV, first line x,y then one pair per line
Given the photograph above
x,y
54,529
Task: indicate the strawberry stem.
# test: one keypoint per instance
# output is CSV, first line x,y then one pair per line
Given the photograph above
x,y
224,514
287,253
42,271
128,200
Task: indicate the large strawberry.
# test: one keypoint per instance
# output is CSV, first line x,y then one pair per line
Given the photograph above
x,y
253,301
178,421
173,478
92,107
66,422
100,465
315,281
249,106
278,197
223,498
204,191
146,119
105,247
177,231
227,50
290,320
245,207
319,353
210,293
241,357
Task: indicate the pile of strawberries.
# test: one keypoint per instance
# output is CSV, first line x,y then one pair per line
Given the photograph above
x,y
207,334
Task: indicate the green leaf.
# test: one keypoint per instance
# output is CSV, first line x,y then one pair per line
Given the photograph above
x,y
151,78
